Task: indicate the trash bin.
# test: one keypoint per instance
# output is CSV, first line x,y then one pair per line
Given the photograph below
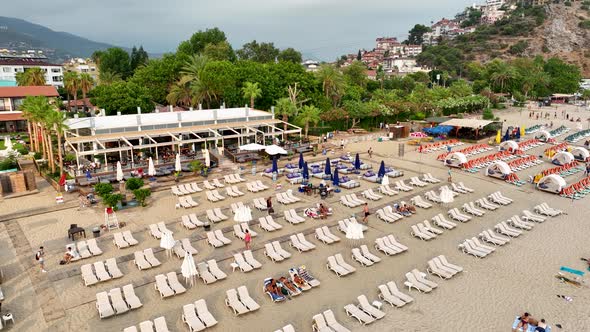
x,y
207,226
96,232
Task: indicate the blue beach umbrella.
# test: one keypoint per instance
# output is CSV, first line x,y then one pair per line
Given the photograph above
x,y
328,169
506,136
517,133
357,162
301,161
335,179
381,172
305,171
275,167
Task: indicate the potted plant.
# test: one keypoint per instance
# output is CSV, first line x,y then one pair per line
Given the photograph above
x,y
205,171
141,195
196,166
112,201
265,159
290,155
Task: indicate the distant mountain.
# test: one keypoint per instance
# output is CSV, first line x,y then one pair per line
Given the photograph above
x,y
22,35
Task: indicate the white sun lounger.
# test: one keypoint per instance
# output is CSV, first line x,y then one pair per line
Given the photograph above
x,y
249,256
176,286
103,305
232,301
319,324
117,300
215,270
88,275
130,297
203,313
363,318
162,286
335,267
204,273
111,265
358,256
189,317
241,263
271,253
246,299
333,323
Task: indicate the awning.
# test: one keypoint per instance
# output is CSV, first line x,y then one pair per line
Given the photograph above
x,y
467,123
437,119
11,116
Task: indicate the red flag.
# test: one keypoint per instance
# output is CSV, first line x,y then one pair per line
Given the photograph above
x,y
62,179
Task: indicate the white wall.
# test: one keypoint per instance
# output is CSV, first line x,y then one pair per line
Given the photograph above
x,y
8,73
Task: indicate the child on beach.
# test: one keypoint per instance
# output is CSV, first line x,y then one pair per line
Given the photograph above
x,y
366,212
39,257
247,239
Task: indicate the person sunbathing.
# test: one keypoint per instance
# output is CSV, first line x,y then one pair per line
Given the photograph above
x,y
290,286
299,281
523,322
274,291
410,208
283,290
323,211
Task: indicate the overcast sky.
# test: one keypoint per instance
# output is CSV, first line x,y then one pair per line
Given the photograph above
x,y
324,28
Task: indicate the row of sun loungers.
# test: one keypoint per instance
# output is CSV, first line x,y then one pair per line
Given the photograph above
x,y
158,230
351,200
432,196
124,239
389,245
159,324
369,194
484,203
388,215
145,259
498,198
197,317
215,215
275,252
364,312
185,189
529,216
519,223
472,210
343,224
214,196
186,202
215,183
268,224
505,229
260,204
419,202
112,303
325,322
190,221
299,242
429,178
256,186
102,272
440,221
364,256
184,247
246,261
85,249
415,181
418,281
168,285
240,301
286,328
444,271
425,231
287,197
236,206
233,178
240,231
545,210
392,295
325,235
455,214
475,248
386,190
233,191
338,265
292,217
216,239
400,185
210,272
492,237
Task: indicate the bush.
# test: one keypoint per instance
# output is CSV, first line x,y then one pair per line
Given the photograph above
x,y
141,195
8,163
103,189
568,4
518,48
111,200
133,184
70,158
38,155
488,114
584,24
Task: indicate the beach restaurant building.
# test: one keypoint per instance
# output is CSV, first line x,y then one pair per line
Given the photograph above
x,y
128,137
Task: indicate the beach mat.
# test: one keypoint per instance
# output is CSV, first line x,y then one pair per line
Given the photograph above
x,y
530,328
572,271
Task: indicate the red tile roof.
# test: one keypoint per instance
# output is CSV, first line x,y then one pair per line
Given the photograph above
x,y
26,62
25,91
11,116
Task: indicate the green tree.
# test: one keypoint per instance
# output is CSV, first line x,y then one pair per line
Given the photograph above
x,y
133,183
251,91
461,88
285,109
290,54
108,78
72,85
500,73
56,121
309,114
115,60
263,52
181,93
31,77
141,195
416,34
443,57
564,78
221,51
122,96
138,58
356,74
200,39
158,76
332,82
86,83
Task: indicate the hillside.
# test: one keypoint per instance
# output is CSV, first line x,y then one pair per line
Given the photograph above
x,y
22,35
551,31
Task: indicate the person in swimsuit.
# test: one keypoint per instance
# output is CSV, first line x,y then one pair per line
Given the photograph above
x,y
523,322
366,212
247,239
542,326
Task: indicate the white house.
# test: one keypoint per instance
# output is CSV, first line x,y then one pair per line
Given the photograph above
x,y
10,66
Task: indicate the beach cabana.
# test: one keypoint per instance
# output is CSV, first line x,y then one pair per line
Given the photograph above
x,y
543,136
580,153
498,169
509,145
455,159
552,183
562,158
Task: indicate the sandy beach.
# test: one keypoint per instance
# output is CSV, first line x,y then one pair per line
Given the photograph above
x,y
487,296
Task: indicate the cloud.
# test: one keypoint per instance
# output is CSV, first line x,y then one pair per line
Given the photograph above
x,y
324,28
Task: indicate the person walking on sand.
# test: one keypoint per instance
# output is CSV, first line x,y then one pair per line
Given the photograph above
x,y
39,257
247,239
366,213
341,144
450,178
269,205
370,152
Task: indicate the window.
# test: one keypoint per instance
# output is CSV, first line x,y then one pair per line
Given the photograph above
x,y
84,70
6,69
4,105
55,70
56,78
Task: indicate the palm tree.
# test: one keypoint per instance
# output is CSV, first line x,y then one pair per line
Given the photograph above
x,y
86,84
108,77
309,114
27,108
72,84
22,78
35,109
286,109
193,66
332,82
56,120
504,74
180,93
251,91
36,76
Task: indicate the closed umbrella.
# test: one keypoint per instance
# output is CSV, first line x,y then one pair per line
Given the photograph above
x,y
507,135
301,161
207,158
151,168
167,241
305,171
385,180
354,232
518,133
188,268
522,132
498,137
335,178
446,195
381,172
328,169
275,167
357,162
119,172
177,165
